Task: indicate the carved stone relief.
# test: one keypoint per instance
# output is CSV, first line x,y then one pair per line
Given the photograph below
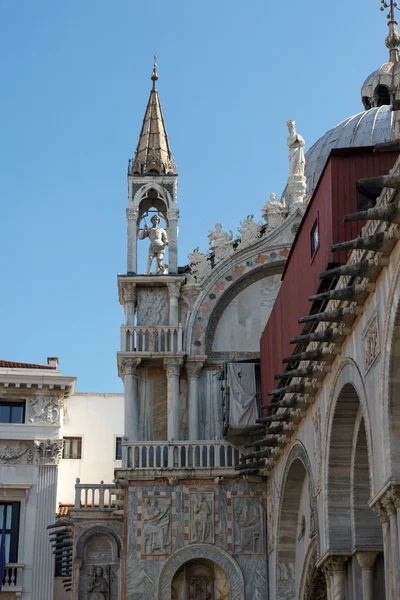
x,y
48,452
202,517
248,521
44,410
221,242
152,307
98,585
156,528
200,265
14,453
371,343
100,569
249,232
200,582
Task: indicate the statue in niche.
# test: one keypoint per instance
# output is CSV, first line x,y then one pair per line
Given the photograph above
x,y
158,242
201,582
155,526
248,526
296,143
98,584
201,525
223,245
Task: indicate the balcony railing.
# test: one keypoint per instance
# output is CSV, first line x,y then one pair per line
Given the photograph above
x,y
12,579
90,496
179,455
151,339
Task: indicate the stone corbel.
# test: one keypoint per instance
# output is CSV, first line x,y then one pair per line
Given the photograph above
x,y
48,452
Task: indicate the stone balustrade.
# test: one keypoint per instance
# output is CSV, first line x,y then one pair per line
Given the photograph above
x,y
89,496
151,339
179,455
12,579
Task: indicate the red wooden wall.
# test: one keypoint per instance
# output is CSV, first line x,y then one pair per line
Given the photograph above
x,y
334,197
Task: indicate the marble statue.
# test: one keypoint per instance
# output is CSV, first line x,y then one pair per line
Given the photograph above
x,y
297,161
201,525
274,211
156,521
158,243
249,231
98,585
220,242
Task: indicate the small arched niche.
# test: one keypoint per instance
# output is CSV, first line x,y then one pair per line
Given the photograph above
x,y
99,573
152,202
200,579
381,95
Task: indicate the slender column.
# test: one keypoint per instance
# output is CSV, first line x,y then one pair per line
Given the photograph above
x,y
173,369
329,582
174,293
127,370
334,565
47,456
173,215
132,215
380,510
366,560
390,507
396,500
129,304
193,370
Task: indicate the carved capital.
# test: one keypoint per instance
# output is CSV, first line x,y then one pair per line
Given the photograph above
x,y
129,293
132,214
173,213
366,560
380,510
388,504
190,293
173,366
396,496
128,366
48,452
174,289
333,564
193,369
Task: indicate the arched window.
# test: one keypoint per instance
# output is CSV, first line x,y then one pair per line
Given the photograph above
x,y
381,95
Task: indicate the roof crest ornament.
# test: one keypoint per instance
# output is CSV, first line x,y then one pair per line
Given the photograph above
x,y
154,75
393,39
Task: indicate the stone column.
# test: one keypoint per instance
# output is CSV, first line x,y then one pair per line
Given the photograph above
x,y
174,293
193,370
329,581
380,510
390,507
173,369
129,304
396,500
335,566
132,215
173,216
366,560
127,370
48,454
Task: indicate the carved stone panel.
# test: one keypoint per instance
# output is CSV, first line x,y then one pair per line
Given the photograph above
x,y
44,410
156,525
152,306
202,517
248,519
371,343
99,569
16,453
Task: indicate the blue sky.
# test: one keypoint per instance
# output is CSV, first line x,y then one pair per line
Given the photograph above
x,y
75,83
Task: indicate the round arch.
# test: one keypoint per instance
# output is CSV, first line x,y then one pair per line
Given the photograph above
x,y
201,551
97,530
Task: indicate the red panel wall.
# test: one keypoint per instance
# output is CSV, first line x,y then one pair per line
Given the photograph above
x,y
334,197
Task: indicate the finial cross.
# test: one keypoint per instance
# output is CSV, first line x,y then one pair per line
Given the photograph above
x,y
391,4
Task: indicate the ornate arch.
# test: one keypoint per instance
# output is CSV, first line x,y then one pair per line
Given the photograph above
x,y
201,551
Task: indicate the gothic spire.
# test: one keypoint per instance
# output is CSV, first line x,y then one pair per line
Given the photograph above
x,y
153,154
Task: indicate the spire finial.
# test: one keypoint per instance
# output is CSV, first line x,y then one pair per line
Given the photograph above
x,y
154,75
393,39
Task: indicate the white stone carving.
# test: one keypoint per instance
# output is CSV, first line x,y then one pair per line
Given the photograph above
x,y
99,583
48,452
202,517
15,453
43,411
297,184
249,231
248,524
132,214
273,211
158,242
152,307
221,242
200,265
371,343
156,525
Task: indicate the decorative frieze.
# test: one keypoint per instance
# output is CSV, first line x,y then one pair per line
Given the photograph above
x,y
16,453
202,517
371,343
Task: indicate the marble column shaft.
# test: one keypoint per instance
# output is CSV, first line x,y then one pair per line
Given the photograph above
x,y
173,244
366,560
173,368
131,215
390,507
128,373
173,293
129,304
380,510
334,570
43,559
193,370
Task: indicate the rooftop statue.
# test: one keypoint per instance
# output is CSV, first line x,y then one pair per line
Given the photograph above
x,y
222,246
158,242
274,211
296,143
199,264
249,231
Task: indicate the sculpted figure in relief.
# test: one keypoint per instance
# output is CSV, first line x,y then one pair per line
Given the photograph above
x,y
98,584
296,143
248,526
274,211
220,242
199,264
44,410
249,231
158,243
201,526
155,526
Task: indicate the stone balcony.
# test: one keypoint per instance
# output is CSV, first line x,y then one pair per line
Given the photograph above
x,y
94,497
146,340
12,580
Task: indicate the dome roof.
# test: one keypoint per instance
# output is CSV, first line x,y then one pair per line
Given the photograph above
x,y
377,88
367,128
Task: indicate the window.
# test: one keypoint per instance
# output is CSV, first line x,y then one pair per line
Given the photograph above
x,y
118,448
314,238
72,447
12,412
9,516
